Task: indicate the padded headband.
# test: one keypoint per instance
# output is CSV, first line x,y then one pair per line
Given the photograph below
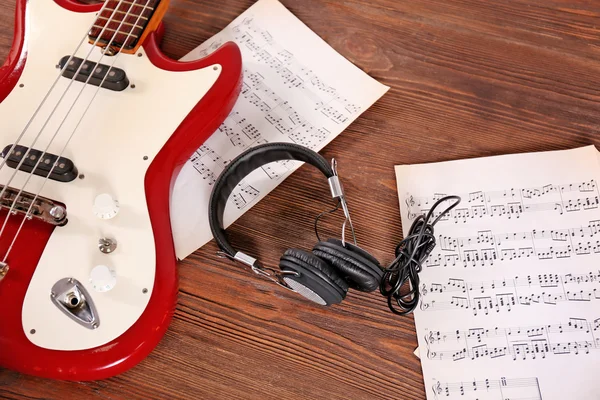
x,y
241,167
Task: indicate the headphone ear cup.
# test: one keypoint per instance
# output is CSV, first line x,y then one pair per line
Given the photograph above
x,y
314,279
360,269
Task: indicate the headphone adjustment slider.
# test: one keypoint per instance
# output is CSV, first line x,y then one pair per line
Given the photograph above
x,y
245,259
337,190
239,258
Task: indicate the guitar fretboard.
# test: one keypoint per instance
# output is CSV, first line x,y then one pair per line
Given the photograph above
x,y
123,22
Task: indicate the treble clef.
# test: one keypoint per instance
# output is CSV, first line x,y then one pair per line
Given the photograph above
x,y
437,388
410,201
430,338
424,290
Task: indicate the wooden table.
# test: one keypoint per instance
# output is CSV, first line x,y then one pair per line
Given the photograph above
x,y
469,78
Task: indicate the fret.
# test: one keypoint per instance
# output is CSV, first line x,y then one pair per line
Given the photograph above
x,y
111,10
120,22
118,32
145,6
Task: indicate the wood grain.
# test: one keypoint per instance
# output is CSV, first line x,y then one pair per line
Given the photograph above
x,y
469,78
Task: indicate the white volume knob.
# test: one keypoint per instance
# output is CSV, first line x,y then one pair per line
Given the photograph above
x,y
105,206
103,278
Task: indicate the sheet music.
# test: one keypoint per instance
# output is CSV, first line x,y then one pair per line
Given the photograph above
x,y
296,89
510,305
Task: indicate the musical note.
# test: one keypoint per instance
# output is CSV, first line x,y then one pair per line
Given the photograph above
x,y
251,44
208,163
278,169
232,134
248,129
278,122
205,172
267,37
252,79
243,195
488,247
271,99
512,203
575,336
489,389
265,49
485,297
335,115
285,56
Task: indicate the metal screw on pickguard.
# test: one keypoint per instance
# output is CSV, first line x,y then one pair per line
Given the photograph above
x,y
145,158
22,85
140,54
144,290
32,331
81,176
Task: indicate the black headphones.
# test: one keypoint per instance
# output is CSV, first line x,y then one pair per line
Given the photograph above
x,y
323,275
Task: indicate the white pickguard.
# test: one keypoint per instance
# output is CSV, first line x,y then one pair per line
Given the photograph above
x,y
108,148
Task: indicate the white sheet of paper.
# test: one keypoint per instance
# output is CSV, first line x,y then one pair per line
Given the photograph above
x,y
296,89
510,305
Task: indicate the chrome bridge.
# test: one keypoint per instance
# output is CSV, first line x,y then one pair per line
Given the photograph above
x,y
43,209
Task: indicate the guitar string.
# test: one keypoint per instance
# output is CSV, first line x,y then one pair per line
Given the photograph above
x,y
60,74
16,170
26,155
28,215
36,112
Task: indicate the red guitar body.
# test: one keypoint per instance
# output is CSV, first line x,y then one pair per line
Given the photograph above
x,y
17,352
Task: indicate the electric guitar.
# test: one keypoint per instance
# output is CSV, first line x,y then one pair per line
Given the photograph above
x,y
96,123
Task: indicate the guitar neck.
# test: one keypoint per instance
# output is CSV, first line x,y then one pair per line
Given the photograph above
x,y
123,25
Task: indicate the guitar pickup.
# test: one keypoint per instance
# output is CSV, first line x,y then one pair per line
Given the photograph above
x,y
63,171
115,79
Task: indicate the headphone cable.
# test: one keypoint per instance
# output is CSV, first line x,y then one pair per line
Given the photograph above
x,y
411,253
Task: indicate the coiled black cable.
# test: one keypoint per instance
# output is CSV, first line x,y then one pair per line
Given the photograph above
x,y
411,253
